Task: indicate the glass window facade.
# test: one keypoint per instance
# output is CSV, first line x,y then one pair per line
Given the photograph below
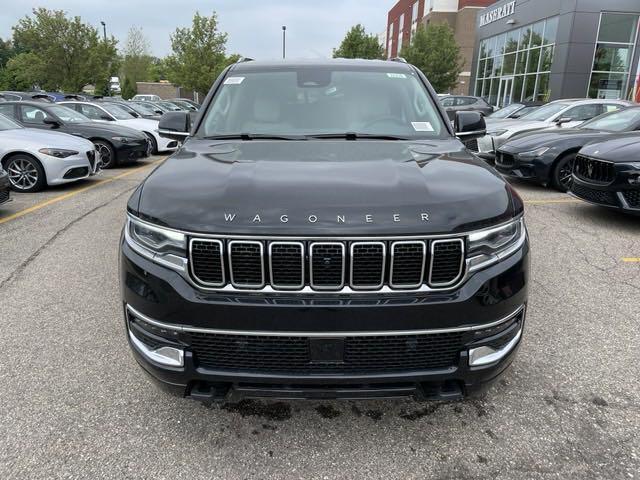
x,y
613,56
516,65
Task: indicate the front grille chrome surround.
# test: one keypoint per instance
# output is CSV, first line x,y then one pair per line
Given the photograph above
x,y
220,259
433,258
273,278
312,277
352,275
394,257
230,253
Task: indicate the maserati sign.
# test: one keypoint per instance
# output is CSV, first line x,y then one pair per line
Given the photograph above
x,y
498,13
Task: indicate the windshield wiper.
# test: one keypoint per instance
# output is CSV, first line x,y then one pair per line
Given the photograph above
x,y
357,136
254,136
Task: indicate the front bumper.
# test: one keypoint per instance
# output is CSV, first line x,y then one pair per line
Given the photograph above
x,y
537,169
618,195
130,152
5,187
65,170
163,309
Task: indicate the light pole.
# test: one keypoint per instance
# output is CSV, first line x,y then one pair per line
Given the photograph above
x,y
284,41
104,30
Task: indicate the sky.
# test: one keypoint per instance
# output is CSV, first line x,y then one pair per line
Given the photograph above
x,y
314,27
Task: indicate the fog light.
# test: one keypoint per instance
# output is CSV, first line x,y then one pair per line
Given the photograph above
x,y
169,356
487,355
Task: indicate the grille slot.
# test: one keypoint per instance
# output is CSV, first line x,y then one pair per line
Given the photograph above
x,y
246,264
361,354
447,261
207,265
505,159
632,197
594,171
602,197
327,265
367,265
286,264
472,145
407,264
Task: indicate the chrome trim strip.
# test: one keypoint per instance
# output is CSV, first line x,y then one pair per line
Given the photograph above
x,y
191,263
325,288
384,262
302,258
460,267
424,259
156,355
229,254
484,355
181,328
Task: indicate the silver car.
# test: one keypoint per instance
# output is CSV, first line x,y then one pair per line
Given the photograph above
x,y
36,158
557,114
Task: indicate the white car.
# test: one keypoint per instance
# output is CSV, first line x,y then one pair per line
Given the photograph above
x,y
111,112
557,114
145,98
36,158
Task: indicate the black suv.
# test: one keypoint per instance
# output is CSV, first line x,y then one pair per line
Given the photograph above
x,y
322,233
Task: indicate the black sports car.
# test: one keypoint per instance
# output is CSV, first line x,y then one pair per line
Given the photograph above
x,y
607,173
116,144
547,156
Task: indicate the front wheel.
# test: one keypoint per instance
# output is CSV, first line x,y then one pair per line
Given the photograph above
x,y
25,174
561,177
107,154
152,148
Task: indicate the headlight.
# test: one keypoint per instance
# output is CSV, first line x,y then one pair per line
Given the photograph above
x,y
496,133
161,245
487,247
123,139
58,152
530,155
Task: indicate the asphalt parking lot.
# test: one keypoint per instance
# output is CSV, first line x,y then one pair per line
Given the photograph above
x,y
76,405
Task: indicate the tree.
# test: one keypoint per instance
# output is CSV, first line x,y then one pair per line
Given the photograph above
x,y
21,72
137,60
69,53
358,44
128,89
158,69
434,51
199,54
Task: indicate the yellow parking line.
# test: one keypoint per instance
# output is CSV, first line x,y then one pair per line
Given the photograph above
x,y
544,202
631,260
65,196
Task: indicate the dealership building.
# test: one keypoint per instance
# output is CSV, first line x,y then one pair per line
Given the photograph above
x,y
549,49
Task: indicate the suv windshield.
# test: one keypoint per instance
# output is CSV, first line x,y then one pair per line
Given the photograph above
x,y
117,112
68,115
545,113
7,124
323,101
615,122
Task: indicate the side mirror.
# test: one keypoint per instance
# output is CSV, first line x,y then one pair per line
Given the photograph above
x,y
50,121
106,117
469,125
175,125
159,112
563,120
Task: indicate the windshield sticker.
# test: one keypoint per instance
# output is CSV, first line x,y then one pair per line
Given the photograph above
x,y
234,81
396,75
422,126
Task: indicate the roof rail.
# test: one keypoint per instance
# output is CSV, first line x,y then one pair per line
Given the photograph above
x,y
398,59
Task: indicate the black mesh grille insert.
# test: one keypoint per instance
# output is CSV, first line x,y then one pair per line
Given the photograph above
x,y
361,354
594,171
472,145
407,263
505,159
446,261
367,263
207,262
327,265
632,197
286,265
246,264
603,197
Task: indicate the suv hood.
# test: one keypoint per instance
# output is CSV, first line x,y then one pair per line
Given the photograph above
x,y
306,187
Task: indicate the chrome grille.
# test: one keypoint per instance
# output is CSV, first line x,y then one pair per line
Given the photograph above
x,y
594,171
327,265
246,264
447,257
394,264
286,264
367,265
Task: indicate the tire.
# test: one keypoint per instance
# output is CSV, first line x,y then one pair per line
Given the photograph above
x,y
153,150
106,152
26,175
561,174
